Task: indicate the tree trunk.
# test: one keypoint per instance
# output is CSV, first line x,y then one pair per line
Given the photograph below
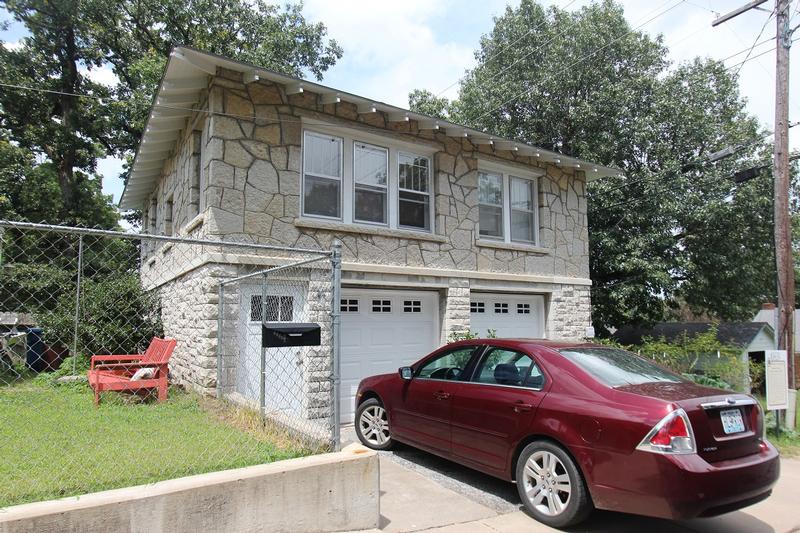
x,y
65,159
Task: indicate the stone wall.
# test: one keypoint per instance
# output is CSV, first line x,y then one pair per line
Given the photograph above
x,y
253,165
189,313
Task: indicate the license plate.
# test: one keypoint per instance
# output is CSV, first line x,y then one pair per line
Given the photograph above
x,y
732,421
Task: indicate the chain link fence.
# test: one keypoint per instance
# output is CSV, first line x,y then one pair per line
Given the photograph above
x,y
90,401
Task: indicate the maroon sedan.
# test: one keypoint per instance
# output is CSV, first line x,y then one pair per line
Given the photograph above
x,y
577,426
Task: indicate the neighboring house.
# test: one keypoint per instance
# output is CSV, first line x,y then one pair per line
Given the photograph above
x,y
754,338
769,314
444,228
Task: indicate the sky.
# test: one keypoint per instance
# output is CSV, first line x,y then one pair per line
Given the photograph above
x,y
393,47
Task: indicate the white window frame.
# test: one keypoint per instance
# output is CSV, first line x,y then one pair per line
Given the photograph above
x,y
349,136
508,172
385,188
340,178
429,194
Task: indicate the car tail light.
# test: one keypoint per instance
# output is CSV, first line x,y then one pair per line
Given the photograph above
x,y
673,434
757,420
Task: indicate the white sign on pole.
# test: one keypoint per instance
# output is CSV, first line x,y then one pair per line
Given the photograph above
x,y
777,379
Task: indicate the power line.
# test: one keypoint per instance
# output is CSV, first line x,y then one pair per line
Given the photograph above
x,y
509,45
760,33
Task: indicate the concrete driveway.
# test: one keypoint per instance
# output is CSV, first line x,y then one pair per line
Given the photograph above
x,y
420,492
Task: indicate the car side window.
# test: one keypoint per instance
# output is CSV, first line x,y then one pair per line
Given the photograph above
x,y
449,365
509,367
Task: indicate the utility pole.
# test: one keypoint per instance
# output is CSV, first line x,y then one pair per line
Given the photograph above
x,y
783,236
783,233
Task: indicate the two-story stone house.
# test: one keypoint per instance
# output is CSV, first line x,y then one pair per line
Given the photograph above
x,y
444,228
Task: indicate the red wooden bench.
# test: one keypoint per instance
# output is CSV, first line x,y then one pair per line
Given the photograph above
x,y
114,372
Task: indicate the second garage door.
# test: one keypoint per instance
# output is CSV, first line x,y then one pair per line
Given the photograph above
x,y
509,315
383,330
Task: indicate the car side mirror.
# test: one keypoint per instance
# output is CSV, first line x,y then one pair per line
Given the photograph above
x,y
406,373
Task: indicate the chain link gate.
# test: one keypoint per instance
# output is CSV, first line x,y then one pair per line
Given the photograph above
x,y
68,295
291,381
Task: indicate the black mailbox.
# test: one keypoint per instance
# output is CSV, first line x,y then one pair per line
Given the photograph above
x,y
278,335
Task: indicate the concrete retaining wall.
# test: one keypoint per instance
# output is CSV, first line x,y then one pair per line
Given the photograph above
x,y
330,492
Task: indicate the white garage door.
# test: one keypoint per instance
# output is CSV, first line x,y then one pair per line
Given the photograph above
x,y
510,315
383,330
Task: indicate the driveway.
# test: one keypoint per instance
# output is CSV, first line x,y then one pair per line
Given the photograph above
x,y
421,492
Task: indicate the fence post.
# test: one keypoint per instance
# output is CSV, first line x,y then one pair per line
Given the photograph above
x,y
262,382
336,278
220,324
77,306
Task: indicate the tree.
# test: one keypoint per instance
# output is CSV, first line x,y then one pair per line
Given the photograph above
x,y
675,229
67,39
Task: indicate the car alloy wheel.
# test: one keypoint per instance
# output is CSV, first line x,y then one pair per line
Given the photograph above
x,y
551,486
547,484
373,425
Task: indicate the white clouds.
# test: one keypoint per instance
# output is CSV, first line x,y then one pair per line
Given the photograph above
x,y
15,45
390,48
103,75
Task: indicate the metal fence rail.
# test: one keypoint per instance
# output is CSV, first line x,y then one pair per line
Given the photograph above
x,y
67,294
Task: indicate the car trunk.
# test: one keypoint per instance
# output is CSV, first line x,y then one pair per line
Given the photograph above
x,y
726,424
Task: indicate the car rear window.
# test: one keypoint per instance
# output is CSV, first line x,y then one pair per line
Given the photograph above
x,y
616,367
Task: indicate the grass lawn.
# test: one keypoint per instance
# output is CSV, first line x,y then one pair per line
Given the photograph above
x,y
54,443
787,441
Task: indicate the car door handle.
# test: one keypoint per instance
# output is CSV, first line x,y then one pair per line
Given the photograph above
x,y
441,395
520,407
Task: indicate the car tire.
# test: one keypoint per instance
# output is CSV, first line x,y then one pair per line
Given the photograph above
x,y
551,486
372,425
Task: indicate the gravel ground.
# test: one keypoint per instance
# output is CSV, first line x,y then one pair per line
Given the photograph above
x,y
500,496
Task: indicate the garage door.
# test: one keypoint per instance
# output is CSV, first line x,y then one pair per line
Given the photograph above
x,y
508,314
383,330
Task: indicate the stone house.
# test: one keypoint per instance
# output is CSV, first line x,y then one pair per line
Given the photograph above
x,y
445,229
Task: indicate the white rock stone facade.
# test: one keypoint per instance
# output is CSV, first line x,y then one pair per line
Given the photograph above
x,y
237,175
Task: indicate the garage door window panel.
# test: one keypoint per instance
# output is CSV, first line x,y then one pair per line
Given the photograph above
x,y
450,366
322,175
371,178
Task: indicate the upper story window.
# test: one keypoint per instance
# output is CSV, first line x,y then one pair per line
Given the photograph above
x,y
508,206
384,182
371,183
322,175
414,191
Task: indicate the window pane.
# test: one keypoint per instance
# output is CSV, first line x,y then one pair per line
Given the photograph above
x,y
504,367
370,166
522,194
414,210
490,188
322,155
522,226
321,196
370,204
616,367
448,365
413,172
491,221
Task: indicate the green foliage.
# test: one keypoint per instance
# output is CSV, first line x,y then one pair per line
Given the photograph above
x,y
423,101
469,335
54,140
118,316
757,371
700,357
672,231
708,381
456,336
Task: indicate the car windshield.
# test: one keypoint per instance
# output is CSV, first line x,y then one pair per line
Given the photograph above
x,y
616,367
